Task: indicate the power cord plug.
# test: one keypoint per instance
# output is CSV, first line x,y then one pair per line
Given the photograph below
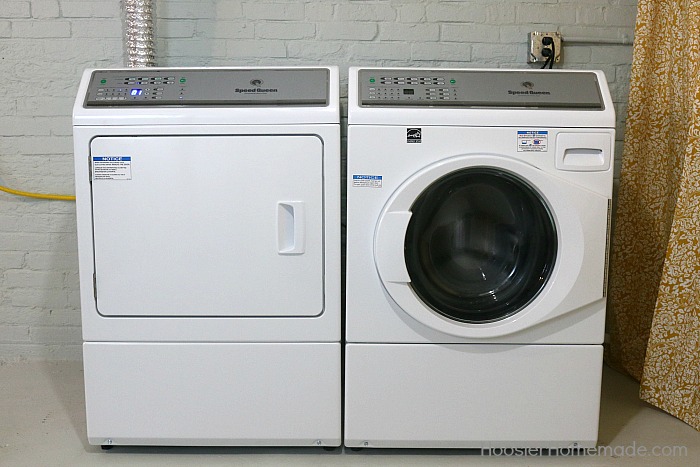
x,y
548,51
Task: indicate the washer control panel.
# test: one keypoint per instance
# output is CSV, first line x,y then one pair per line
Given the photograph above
x,y
410,88
479,88
209,87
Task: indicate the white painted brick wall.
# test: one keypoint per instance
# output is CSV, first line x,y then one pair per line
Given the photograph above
x,y
45,44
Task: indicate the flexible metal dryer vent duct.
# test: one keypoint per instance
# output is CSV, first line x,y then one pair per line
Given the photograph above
x,y
139,38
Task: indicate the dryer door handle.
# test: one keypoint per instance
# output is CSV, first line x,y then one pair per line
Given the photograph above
x,y
389,247
291,228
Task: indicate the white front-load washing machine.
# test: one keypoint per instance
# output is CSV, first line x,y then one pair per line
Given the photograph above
x,y
477,239
208,210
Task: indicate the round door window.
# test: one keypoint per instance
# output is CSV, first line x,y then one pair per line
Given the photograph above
x,y
480,245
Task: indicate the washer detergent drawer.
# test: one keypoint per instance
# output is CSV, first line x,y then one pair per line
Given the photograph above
x,y
208,225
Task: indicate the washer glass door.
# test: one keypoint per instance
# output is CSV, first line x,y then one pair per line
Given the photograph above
x,y
480,245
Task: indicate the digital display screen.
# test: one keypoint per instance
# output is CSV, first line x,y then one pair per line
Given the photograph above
x,y
136,92
408,91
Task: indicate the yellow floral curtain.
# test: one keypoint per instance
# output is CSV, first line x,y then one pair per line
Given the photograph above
x,y
655,264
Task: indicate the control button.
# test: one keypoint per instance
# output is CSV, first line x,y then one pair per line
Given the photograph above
x,y
183,80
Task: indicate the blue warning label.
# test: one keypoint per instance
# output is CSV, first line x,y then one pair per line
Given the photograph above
x,y
532,141
111,168
367,181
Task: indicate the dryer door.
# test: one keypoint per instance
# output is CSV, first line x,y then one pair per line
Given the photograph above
x,y
480,246
208,225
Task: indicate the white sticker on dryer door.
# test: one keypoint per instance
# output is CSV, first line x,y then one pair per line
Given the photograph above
x,y
532,141
111,168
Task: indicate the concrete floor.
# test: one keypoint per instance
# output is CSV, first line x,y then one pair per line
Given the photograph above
x,y
42,423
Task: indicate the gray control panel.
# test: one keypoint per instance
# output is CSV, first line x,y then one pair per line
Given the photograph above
x,y
209,87
479,88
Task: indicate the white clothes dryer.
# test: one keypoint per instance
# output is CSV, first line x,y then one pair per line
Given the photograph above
x,y
478,224
208,213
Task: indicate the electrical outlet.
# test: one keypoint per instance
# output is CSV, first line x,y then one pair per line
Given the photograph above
x,y
536,46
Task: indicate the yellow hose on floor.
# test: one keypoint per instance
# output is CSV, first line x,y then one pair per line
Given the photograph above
x,y
37,195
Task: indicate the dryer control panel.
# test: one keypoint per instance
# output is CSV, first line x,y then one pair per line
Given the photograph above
x,y
479,88
208,87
